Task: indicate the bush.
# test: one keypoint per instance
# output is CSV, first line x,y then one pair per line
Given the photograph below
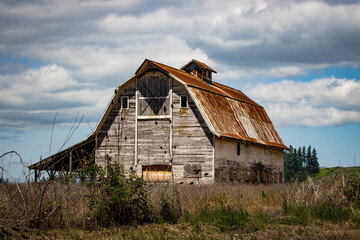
x,y
352,191
116,197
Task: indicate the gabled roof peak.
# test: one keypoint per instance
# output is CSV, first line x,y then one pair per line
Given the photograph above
x,y
200,64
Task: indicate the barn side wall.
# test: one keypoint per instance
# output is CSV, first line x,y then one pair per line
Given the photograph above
x,y
192,141
251,163
117,136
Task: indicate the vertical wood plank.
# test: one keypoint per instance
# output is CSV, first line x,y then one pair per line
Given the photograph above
x,y
70,162
136,122
171,128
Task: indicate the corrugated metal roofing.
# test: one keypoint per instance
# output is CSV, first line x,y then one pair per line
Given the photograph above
x,y
204,65
230,112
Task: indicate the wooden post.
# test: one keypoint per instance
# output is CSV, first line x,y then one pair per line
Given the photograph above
x,y
36,175
136,123
70,162
171,129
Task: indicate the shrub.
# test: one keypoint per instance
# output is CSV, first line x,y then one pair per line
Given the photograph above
x,y
116,197
352,191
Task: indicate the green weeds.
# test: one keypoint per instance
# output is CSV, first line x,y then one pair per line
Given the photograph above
x,y
115,198
224,218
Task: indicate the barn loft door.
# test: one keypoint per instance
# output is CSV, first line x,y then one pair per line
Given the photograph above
x,y
154,96
157,173
153,121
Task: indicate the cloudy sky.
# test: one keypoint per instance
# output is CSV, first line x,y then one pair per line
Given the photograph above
x,y
299,59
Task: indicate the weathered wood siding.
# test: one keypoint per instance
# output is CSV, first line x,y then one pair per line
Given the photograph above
x,y
256,163
192,140
166,134
117,137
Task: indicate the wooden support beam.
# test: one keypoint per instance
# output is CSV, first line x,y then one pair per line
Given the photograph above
x,y
70,162
136,123
171,129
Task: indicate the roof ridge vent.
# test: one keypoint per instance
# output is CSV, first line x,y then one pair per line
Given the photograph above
x,y
199,69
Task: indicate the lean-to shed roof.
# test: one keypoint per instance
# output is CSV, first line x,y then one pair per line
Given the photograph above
x,y
229,112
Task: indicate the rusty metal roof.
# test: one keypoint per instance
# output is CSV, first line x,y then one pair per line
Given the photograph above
x,y
229,111
204,65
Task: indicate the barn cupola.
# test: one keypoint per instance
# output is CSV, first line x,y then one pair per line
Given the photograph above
x,y
199,69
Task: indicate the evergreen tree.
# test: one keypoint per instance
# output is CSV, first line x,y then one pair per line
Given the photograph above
x,y
308,161
303,157
299,163
315,163
300,169
289,172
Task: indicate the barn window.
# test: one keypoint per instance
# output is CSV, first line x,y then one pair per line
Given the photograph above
x,y
125,102
238,149
184,101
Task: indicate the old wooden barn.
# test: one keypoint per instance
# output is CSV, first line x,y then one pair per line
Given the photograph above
x,y
177,125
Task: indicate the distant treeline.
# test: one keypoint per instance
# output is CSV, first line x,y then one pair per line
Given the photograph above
x,y
300,163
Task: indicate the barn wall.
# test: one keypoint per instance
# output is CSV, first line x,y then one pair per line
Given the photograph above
x,y
153,126
191,153
256,163
117,136
192,141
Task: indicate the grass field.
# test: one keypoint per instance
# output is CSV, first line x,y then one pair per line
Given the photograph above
x,y
327,175
320,208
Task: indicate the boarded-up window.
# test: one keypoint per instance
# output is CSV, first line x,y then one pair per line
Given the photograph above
x,y
192,171
217,175
239,173
263,177
280,177
258,176
157,173
275,177
246,175
270,176
231,174
223,174
252,176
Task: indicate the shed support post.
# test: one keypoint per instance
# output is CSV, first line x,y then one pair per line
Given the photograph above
x,y
36,175
70,162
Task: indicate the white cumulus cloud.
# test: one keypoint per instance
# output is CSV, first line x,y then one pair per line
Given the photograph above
x,y
320,102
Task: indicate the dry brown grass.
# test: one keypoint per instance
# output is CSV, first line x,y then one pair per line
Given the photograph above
x,y
187,231
50,210
50,207
41,205
251,197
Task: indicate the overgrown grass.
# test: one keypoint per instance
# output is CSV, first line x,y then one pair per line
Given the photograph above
x,y
224,218
197,212
329,175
